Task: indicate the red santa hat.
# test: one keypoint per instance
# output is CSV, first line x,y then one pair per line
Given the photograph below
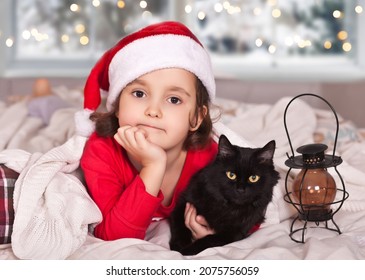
x,y
158,46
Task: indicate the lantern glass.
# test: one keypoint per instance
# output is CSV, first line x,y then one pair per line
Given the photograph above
x,y
314,190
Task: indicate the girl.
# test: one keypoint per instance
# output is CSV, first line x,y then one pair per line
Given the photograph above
x,y
156,132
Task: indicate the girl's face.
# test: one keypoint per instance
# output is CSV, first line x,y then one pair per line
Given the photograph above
x,y
162,103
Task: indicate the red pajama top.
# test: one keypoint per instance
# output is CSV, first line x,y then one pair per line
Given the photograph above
x,y
115,186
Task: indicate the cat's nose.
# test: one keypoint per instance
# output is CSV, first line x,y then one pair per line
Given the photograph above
x,y
241,189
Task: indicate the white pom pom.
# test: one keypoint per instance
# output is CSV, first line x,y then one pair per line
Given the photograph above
x,y
84,126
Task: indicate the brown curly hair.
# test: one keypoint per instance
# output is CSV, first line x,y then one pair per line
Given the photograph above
x,y
106,123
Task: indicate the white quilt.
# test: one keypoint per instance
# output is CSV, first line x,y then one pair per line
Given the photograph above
x,y
257,124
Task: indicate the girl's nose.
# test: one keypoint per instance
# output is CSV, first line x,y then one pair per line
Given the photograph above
x,y
154,111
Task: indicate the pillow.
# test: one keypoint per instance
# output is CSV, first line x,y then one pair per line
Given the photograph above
x,y
7,182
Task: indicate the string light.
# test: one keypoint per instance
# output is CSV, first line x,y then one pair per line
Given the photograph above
x,y
9,42
347,46
229,8
327,45
26,34
304,43
272,49
74,7
342,35
337,14
80,28
258,42
65,38
201,15
226,5
218,7
34,32
84,40
96,3
146,14
120,4
188,9
358,9
143,4
276,13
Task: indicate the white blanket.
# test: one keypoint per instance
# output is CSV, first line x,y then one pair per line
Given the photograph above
x,y
258,124
53,210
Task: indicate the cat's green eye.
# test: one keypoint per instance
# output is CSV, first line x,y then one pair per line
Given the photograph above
x,y
231,175
253,178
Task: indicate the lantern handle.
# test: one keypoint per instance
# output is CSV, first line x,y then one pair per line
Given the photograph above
x,y
331,107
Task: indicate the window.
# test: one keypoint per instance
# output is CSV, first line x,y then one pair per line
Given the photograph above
x,y
79,28
72,34
243,36
284,36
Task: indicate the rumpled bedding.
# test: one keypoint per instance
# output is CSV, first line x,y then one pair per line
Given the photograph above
x,y
256,124
27,125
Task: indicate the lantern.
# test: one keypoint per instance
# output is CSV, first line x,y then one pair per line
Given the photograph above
x,y
313,192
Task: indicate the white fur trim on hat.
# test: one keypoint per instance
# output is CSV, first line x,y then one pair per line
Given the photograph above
x,y
158,52
84,126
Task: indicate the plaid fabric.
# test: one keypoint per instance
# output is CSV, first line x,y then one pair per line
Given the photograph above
x,y
7,182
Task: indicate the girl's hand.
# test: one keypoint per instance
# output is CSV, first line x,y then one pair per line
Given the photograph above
x,y
196,223
150,158
134,140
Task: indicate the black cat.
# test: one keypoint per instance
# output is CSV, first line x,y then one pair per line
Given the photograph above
x,y
232,193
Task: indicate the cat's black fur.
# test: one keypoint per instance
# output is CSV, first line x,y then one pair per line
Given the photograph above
x,y
231,206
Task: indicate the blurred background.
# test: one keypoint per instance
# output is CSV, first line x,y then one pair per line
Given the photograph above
x,y
261,49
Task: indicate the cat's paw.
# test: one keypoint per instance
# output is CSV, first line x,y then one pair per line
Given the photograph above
x,y
189,252
175,247
179,244
193,249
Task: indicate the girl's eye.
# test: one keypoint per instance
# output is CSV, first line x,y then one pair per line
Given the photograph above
x,y
253,178
138,94
231,175
174,100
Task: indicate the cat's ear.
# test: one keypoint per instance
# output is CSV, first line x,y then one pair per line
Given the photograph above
x,y
225,148
266,154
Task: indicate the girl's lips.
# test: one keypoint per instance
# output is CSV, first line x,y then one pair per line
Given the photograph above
x,y
146,126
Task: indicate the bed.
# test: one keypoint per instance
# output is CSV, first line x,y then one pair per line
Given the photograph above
x,y
256,124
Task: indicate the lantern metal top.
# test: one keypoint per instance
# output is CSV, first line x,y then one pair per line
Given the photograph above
x,y
313,150
312,157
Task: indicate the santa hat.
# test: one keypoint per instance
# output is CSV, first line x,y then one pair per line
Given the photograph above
x,y
159,46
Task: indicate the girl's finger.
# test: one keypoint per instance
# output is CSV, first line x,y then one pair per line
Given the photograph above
x,y
140,138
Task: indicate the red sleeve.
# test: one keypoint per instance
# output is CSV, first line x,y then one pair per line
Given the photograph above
x,y
117,189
